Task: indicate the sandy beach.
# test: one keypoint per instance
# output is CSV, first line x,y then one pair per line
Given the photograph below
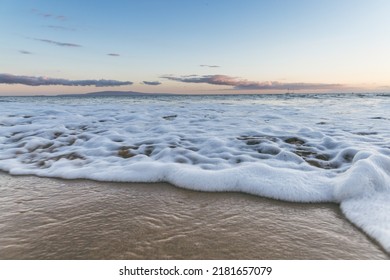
x,y
44,218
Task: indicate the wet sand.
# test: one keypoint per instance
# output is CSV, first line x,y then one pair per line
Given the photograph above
x,y
43,218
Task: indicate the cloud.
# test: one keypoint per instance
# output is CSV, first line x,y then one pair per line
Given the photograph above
x,y
48,15
59,27
209,66
113,54
243,84
61,44
153,83
25,52
45,81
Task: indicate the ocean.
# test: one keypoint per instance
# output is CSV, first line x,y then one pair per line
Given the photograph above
x,y
309,148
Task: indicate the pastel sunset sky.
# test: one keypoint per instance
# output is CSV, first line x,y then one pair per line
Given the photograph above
x,y
202,46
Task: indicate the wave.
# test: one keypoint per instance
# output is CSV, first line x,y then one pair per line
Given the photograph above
x,y
285,149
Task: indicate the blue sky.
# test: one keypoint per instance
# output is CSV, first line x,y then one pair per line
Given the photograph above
x,y
194,46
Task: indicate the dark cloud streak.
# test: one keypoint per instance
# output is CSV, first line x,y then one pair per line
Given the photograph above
x,y
25,52
113,54
209,66
152,83
61,44
45,81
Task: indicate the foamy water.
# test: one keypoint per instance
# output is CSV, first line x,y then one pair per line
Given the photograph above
x,y
311,148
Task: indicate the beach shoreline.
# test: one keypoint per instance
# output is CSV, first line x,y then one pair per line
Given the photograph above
x,y
45,218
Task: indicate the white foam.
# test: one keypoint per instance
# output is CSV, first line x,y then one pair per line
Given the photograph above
x,y
283,148
372,214
368,176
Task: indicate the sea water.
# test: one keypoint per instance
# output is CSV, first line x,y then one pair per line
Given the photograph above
x,y
302,148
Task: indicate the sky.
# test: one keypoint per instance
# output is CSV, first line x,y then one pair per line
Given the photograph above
x,y
194,47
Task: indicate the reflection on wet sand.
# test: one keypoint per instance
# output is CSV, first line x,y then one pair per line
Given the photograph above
x,y
44,218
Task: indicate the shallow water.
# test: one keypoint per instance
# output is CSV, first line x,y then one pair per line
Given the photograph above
x,y
43,218
302,148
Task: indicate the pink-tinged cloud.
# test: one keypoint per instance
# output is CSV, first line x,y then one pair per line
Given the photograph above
x,y
243,84
45,81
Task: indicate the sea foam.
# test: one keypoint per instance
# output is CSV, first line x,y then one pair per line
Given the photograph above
x,y
301,148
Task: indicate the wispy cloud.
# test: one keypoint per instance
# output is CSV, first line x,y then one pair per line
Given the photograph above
x,y
61,44
61,17
48,15
59,27
113,54
243,84
25,52
151,83
45,81
209,66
